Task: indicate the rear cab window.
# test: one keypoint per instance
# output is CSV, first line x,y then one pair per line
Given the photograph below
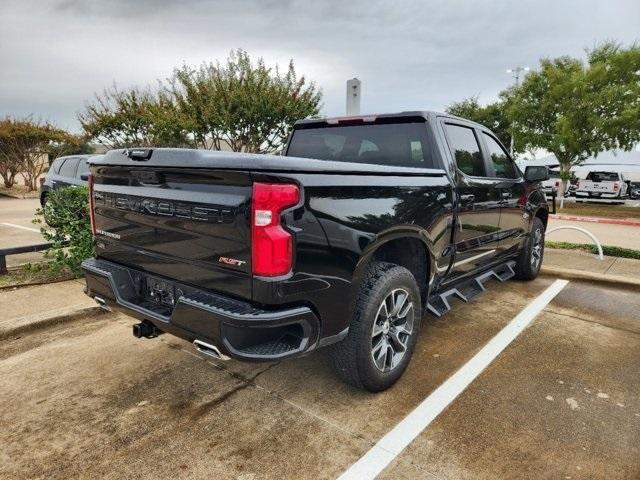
x,y
401,144
603,176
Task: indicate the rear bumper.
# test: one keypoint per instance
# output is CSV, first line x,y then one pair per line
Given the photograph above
x,y
603,195
238,329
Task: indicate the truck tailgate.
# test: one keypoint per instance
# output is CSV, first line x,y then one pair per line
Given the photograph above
x,y
189,225
598,187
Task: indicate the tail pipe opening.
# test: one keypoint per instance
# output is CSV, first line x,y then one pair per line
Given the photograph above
x,y
210,350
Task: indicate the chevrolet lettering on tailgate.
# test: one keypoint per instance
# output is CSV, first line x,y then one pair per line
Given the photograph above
x,y
167,208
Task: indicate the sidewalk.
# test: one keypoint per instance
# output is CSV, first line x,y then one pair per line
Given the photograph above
x,y
626,236
585,265
27,308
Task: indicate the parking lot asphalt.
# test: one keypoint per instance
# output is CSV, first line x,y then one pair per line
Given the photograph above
x,y
87,399
17,229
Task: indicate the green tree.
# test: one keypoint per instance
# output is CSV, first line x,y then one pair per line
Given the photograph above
x,y
72,145
133,117
492,116
241,104
24,146
244,104
10,162
575,109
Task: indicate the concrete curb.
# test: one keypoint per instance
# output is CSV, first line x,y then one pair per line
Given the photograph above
x,y
611,221
16,197
571,274
15,286
36,322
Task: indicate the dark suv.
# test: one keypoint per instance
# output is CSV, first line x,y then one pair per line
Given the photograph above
x,y
65,172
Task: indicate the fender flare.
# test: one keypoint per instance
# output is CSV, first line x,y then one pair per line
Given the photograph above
x,y
405,231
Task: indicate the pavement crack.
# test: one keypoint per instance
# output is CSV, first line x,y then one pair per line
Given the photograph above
x,y
574,317
245,382
615,260
203,408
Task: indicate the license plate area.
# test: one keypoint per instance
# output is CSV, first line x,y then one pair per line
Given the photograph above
x,y
159,293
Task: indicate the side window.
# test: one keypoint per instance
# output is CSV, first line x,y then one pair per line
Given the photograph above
x,y
502,164
83,168
466,150
55,166
68,168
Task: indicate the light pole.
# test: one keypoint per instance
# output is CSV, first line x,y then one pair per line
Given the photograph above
x,y
353,96
515,73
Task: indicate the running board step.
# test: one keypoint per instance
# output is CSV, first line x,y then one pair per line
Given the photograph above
x,y
467,290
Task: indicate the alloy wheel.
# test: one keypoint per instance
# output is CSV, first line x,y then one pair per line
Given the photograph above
x,y
536,249
392,330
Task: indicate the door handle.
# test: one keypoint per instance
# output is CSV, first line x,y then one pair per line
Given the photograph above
x,y
468,198
505,195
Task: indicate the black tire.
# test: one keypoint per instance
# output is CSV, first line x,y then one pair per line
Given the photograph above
x,y
46,212
531,256
353,358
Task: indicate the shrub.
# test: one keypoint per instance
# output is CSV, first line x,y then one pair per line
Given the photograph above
x,y
65,222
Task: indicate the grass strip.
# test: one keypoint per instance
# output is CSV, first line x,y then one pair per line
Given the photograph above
x,y
608,250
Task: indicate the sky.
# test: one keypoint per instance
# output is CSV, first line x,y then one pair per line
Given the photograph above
x,y
409,55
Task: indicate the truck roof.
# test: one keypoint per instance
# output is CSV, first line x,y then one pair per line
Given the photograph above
x,y
374,117
190,158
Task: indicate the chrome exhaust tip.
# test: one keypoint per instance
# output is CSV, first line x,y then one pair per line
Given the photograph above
x,y
102,303
210,350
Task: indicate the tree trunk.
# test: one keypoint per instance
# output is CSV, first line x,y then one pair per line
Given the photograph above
x,y
9,179
565,174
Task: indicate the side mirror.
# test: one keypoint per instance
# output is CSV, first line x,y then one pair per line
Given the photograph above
x,y
84,177
536,174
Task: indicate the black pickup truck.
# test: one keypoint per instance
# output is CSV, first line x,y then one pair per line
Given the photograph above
x,y
361,228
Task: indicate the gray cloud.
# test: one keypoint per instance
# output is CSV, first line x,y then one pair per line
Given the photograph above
x,y
408,54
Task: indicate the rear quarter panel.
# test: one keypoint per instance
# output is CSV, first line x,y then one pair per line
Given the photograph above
x,y
340,223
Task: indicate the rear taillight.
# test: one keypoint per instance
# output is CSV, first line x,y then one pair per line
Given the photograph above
x,y
92,217
557,184
616,186
271,245
577,184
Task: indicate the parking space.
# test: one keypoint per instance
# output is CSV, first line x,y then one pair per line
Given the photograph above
x,y
87,399
563,401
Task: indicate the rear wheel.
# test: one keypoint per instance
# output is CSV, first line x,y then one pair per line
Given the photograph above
x,y
531,256
46,210
384,330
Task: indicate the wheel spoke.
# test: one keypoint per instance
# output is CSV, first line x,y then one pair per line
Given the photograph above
x,y
398,302
378,345
403,313
384,311
381,357
377,330
391,356
395,341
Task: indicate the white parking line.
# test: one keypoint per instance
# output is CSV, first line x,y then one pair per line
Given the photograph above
x,y
20,226
394,442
